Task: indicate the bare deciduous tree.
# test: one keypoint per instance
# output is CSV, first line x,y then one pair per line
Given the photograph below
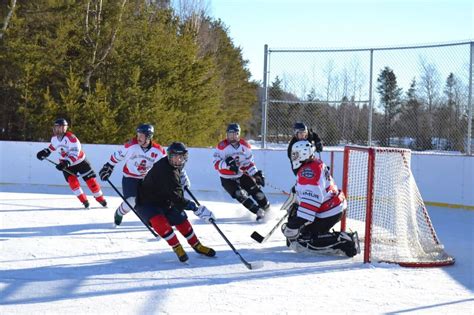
x,y
7,18
93,25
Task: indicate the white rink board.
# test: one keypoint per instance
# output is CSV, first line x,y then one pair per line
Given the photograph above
x,y
440,178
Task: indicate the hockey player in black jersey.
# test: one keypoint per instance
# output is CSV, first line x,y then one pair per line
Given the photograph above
x,y
161,202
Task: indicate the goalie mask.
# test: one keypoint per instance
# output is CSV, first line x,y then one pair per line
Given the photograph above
x,y
177,155
301,151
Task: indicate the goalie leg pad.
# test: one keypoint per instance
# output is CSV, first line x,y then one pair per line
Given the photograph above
x,y
289,233
337,240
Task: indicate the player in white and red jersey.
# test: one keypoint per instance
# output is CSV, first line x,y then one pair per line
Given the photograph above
x,y
72,161
139,154
233,159
319,206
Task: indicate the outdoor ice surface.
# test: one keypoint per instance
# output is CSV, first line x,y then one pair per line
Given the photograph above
x,y
58,258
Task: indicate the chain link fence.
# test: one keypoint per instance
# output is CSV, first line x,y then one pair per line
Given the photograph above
x,y
417,97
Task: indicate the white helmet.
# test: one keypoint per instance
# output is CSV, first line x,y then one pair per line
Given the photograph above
x,y
300,152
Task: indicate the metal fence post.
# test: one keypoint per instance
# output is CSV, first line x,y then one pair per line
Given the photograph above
x,y
469,103
371,103
265,97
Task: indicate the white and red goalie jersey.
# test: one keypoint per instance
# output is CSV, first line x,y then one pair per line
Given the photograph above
x,y
316,192
68,147
138,161
242,154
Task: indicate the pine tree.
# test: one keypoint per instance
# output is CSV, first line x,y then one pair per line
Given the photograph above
x,y
390,99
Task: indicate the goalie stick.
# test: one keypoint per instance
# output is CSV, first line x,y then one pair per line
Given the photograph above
x,y
259,238
286,205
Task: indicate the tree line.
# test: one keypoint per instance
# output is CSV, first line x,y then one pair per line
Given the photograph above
x,y
107,66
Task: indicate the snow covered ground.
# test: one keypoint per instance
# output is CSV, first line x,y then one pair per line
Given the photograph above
x,y
57,258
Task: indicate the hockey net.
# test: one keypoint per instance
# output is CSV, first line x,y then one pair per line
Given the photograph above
x,y
386,209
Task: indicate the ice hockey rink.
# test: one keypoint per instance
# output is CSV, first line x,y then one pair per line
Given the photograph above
x,y
58,258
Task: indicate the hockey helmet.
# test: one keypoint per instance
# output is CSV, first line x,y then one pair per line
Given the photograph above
x,y
177,154
299,127
60,122
233,127
301,151
147,129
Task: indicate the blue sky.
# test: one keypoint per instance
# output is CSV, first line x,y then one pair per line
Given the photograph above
x,y
341,24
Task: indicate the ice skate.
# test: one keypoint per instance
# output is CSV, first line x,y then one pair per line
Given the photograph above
x,y
204,250
117,218
179,251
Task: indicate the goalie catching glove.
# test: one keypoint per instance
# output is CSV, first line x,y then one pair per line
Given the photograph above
x,y
106,171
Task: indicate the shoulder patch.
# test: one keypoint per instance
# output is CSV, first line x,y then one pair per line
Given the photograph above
x,y
131,142
71,137
223,144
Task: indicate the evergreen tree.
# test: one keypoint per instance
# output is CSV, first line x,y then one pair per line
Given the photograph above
x,y
390,99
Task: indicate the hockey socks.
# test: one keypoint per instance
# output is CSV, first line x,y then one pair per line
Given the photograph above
x,y
95,189
77,190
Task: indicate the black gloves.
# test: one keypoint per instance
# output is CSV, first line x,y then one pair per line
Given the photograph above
x,y
106,171
259,178
318,146
232,164
62,165
191,205
43,154
313,137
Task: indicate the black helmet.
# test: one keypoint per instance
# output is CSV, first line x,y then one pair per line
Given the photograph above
x,y
60,122
177,148
299,127
147,129
233,127
174,149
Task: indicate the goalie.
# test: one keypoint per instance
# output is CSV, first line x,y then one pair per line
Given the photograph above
x,y
316,207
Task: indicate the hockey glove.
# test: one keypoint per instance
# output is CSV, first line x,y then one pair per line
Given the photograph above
x,y
231,164
106,171
191,206
63,164
205,214
43,154
259,178
184,179
318,145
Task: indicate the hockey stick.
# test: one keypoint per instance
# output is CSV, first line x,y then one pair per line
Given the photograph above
x,y
279,189
133,209
246,263
285,206
63,170
259,238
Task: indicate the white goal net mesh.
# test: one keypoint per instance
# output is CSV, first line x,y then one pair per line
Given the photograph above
x,y
399,229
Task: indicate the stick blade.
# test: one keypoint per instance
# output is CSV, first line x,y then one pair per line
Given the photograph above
x,y
256,236
257,265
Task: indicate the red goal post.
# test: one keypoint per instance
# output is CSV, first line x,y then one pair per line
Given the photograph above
x,y
385,207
